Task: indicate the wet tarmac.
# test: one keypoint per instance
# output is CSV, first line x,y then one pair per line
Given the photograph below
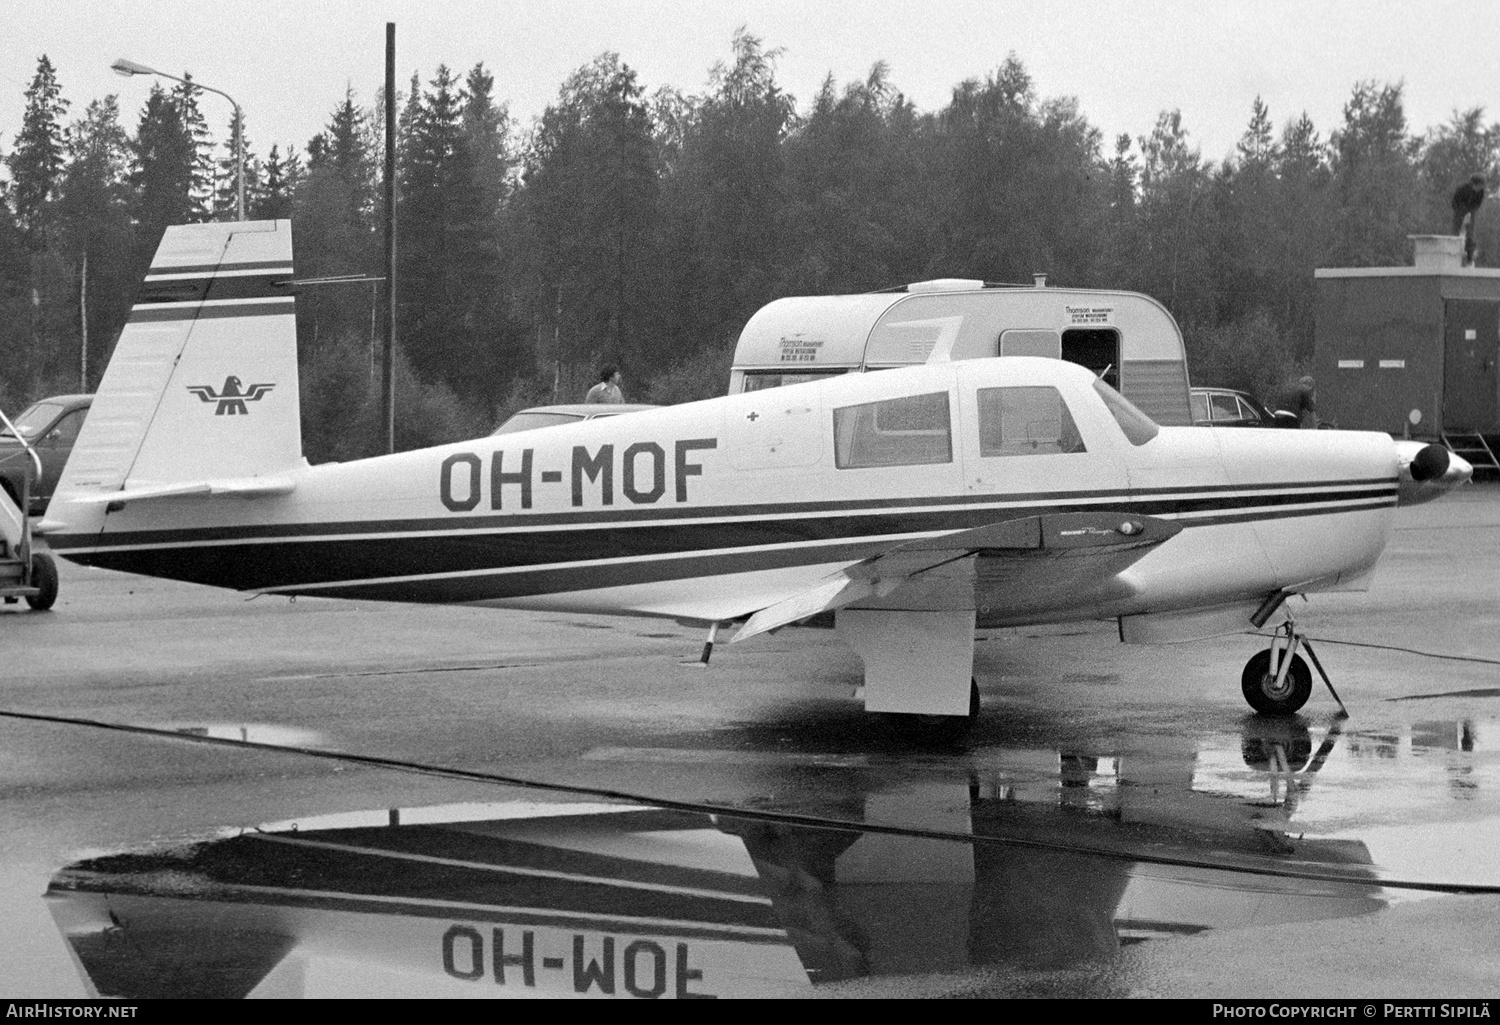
x,y
202,795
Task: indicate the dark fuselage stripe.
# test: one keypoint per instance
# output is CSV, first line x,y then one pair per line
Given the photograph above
x,y
460,910
975,511
511,564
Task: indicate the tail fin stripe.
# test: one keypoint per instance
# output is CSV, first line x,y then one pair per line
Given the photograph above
x,y
209,310
199,270
209,287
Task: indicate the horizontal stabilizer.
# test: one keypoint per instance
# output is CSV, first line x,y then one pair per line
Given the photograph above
x,y
1054,536
243,487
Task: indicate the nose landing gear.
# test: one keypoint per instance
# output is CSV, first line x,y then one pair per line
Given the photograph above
x,y
1277,681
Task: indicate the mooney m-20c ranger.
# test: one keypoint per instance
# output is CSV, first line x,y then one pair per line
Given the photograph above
x,y
917,503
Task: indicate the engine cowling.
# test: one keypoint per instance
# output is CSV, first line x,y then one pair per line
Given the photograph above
x,y
1428,471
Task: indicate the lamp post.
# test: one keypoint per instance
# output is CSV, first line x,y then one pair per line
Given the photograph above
x,y
129,68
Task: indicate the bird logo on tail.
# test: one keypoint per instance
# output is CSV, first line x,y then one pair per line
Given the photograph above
x,y
230,399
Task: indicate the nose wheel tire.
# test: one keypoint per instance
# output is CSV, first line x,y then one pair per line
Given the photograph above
x,y
1258,683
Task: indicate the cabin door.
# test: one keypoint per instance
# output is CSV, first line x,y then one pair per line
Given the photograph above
x,y
1471,346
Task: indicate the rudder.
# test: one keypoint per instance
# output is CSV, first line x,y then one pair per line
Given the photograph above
x,y
203,381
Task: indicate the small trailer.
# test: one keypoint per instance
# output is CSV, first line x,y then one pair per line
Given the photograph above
x,y
1128,339
1412,351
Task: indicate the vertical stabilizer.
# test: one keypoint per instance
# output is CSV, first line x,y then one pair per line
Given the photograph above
x,y
202,384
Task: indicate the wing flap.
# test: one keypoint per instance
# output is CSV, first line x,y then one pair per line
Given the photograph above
x,y
1099,545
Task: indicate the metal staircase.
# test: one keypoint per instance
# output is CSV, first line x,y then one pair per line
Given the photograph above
x,y
1475,449
24,573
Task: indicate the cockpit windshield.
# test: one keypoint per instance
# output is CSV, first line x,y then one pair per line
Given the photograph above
x,y
1138,427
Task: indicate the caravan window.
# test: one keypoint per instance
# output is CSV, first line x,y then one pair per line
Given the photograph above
x,y
755,380
1025,422
908,431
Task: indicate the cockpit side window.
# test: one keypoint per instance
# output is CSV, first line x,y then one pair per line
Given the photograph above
x,y
1138,427
908,431
1026,421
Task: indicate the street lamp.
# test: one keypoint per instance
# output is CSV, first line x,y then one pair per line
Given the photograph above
x,y
129,68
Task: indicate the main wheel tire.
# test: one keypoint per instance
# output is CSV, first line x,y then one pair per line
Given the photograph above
x,y
947,729
44,579
1258,683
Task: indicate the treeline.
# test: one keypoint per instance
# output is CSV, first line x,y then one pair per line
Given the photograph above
x,y
644,229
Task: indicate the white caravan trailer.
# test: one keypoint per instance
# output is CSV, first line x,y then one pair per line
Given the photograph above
x,y
1128,338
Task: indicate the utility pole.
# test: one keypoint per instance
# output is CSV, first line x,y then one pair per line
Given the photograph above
x,y
390,237
83,322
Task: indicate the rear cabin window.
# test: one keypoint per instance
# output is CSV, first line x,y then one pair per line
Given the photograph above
x,y
910,431
1026,421
1200,406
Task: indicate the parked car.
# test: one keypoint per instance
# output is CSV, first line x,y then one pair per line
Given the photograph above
x,y
1225,407
551,416
50,426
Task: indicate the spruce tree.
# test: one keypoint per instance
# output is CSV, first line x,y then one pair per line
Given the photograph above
x,y
163,172
36,162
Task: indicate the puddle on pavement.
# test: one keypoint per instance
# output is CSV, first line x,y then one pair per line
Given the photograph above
x,y
248,733
1037,864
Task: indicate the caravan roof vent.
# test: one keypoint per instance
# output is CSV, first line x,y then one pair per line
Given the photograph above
x,y
946,285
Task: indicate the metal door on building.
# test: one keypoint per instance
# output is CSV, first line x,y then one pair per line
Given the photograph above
x,y
1471,347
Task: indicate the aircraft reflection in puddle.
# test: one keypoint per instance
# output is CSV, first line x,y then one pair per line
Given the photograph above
x,y
573,900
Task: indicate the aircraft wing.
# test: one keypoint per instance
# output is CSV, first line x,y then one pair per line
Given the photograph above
x,y
1036,558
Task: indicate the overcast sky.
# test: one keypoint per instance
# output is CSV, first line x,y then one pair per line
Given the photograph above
x,y
287,63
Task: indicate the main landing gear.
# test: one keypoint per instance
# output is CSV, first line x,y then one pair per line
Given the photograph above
x,y
1277,681
919,668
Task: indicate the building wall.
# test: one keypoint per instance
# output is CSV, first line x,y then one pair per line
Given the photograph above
x,y
1378,351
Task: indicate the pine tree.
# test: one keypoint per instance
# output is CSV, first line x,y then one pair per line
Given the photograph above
x,y
226,181
1375,179
278,180
1257,146
94,236
726,201
203,187
37,161
163,172
343,149
591,219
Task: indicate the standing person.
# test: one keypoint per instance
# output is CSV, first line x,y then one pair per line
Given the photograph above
x,y
608,388
1467,199
1306,403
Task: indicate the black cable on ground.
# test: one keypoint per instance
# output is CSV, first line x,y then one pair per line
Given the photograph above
x,y
1480,659
749,814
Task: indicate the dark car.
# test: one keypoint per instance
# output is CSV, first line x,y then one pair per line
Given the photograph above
x,y
50,426
572,413
1225,407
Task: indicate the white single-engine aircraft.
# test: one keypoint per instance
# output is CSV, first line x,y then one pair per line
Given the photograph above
x,y
920,503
